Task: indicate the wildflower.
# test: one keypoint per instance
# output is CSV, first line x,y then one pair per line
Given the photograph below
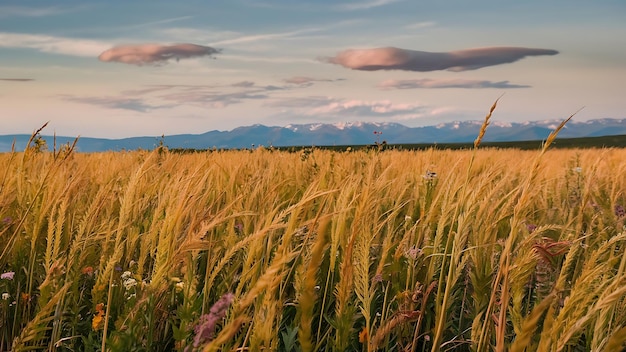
x,y
180,286
8,275
205,330
412,253
88,270
6,296
619,211
7,221
531,227
363,336
129,283
577,169
25,298
377,278
238,228
97,322
126,275
430,175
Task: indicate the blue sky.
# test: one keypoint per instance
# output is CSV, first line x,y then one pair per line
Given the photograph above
x,y
128,68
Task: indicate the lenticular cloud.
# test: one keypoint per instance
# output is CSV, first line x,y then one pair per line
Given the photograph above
x,y
154,54
391,58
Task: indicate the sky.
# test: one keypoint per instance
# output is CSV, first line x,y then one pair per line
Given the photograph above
x,y
115,69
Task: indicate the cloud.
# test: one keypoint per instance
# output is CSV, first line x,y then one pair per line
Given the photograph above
x,y
23,11
364,5
243,84
446,83
335,108
303,80
366,108
54,45
212,99
17,79
390,58
154,54
123,103
420,25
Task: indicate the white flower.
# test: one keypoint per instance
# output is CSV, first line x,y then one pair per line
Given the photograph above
x,y
430,175
6,296
577,169
129,283
126,275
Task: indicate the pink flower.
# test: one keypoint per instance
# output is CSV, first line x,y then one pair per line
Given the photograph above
x,y
8,275
205,330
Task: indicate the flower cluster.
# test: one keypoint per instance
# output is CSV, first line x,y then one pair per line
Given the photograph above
x,y
205,330
619,211
128,281
430,175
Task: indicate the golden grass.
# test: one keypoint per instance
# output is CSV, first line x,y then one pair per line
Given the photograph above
x,y
502,249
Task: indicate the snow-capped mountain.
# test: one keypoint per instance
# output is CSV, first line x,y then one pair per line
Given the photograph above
x,y
345,133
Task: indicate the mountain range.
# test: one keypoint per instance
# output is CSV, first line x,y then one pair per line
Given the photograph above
x,y
348,133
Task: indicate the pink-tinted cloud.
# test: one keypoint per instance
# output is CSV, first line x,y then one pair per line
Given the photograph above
x,y
390,58
154,54
446,83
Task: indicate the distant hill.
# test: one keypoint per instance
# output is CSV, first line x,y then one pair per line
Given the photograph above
x,y
349,133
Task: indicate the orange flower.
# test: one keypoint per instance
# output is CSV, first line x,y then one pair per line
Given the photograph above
x,y
363,336
25,298
87,270
98,320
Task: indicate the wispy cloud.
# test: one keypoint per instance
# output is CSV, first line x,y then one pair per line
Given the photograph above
x,y
158,22
303,80
420,25
210,99
364,5
155,54
390,58
446,83
115,102
17,79
24,11
267,36
53,45
244,84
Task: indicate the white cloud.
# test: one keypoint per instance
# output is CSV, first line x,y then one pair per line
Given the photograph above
x,y
364,5
23,11
420,25
54,45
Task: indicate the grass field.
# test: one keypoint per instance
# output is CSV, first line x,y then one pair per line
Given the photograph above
x,y
432,250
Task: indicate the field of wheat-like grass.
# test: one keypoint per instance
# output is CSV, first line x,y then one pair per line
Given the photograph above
x,y
262,250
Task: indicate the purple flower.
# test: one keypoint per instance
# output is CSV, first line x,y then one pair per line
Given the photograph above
x,y
619,211
531,227
238,228
205,330
8,275
7,221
